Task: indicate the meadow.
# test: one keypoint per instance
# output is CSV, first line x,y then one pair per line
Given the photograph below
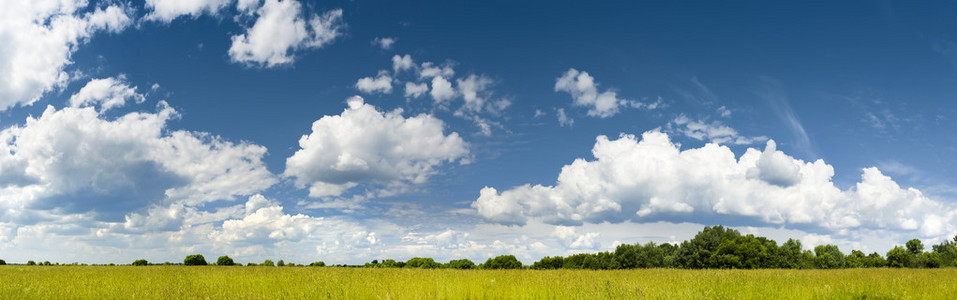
x,y
225,282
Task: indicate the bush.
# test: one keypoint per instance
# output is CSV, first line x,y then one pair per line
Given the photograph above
x,y
195,260
502,262
317,264
267,263
140,262
225,261
2,262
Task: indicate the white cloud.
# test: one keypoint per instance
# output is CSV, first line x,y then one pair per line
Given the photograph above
x,y
573,240
382,83
169,10
714,132
563,119
384,42
724,112
442,90
107,92
651,178
37,40
73,160
584,91
364,145
414,90
280,31
402,63
430,70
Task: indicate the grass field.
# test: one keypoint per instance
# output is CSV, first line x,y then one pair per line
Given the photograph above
x,y
179,282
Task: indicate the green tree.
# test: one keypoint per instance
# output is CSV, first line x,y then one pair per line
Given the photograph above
x,y
224,261
742,252
268,263
31,263
915,247
899,257
140,262
195,260
549,263
317,264
929,260
281,263
828,257
502,262
422,263
856,259
461,264
696,253
2,262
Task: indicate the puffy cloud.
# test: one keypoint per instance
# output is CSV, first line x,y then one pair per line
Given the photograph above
x,y
573,240
402,63
652,178
280,30
714,132
442,90
563,119
169,10
364,145
108,93
382,83
383,42
430,70
74,161
265,222
414,90
584,90
37,39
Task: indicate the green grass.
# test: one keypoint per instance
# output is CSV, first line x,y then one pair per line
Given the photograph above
x,y
211,282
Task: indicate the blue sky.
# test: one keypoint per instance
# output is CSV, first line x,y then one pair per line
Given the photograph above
x,y
350,131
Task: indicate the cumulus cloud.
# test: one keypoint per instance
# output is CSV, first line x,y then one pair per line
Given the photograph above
x,y
107,93
442,90
563,119
280,30
402,63
430,70
37,40
364,145
74,161
382,83
414,90
632,179
169,10
384,42
573,240
714,132
584,91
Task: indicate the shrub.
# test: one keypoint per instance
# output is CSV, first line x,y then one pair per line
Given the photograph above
x,y
140,262
195,260
224,261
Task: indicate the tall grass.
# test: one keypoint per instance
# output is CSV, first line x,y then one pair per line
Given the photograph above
x,y
212,282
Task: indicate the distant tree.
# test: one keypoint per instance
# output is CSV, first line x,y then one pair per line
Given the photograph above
x,y
461,264
793,255
47,263
111,264
280,263
856,259
742,252
31,263
140,262
548,263
948,252
422,263
503,262
696,253
195,260
267,263
2,262
915,247
875,260
828,257
899,257
317,264
250,264
928,260
224,261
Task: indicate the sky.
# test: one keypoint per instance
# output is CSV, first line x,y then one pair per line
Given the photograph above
x,y
347,131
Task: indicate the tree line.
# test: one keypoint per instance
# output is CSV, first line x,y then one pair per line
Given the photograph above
x,y
714,247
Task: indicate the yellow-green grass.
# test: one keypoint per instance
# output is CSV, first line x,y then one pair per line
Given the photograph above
x,y
214,282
